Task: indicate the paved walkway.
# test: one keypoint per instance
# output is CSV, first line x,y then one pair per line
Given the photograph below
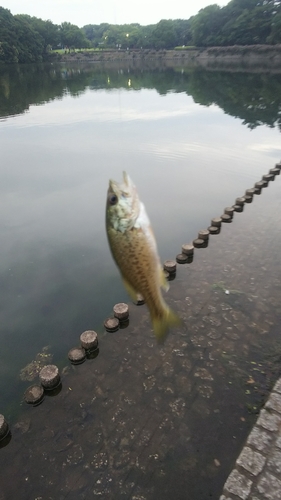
x,y
257,472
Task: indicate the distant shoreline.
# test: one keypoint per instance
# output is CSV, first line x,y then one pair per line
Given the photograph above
x,y
243,56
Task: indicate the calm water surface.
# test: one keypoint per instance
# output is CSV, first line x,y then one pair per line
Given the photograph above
x,y
139,421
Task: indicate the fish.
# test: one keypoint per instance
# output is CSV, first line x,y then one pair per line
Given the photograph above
x,y
134,249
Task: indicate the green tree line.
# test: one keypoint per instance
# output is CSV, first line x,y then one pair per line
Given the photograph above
x,y
166,34
25,39
241,22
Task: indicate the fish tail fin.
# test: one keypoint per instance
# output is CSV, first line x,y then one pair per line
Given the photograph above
x,y
162,324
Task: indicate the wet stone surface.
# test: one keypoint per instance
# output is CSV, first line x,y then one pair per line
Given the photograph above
x,y
89,340
77,355
111,324
34,394
143,420
121,311
49,377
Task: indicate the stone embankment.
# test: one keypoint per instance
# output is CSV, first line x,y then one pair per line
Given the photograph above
x,y
251,56
257,472
255,56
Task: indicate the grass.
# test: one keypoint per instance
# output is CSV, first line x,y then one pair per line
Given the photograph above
x,y
186,47
63,51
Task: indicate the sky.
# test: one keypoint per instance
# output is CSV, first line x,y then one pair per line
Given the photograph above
x,y
82,12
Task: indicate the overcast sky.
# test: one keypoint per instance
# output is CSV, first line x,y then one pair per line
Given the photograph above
x,y
81,12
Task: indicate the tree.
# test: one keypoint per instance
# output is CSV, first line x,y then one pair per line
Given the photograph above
x,y
72,36
19,41
8,44
240,22
182,31
46,29
8,53
95,33
275,35
206,26
30,43
163,35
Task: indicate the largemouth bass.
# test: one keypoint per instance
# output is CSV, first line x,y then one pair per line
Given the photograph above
x,y
134,250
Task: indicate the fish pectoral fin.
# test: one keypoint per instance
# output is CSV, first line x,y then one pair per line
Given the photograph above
x,y
131,291
163,281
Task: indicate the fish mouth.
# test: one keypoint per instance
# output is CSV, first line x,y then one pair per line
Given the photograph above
x,y
126,187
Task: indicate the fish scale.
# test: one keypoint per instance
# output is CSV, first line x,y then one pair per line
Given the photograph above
x,y
138,267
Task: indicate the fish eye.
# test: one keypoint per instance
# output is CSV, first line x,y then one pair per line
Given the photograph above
x,y
113,199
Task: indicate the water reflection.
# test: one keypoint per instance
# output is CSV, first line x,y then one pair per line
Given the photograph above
x,y
253,97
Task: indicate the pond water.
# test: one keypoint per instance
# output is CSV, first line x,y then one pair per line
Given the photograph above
x,y
140,420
